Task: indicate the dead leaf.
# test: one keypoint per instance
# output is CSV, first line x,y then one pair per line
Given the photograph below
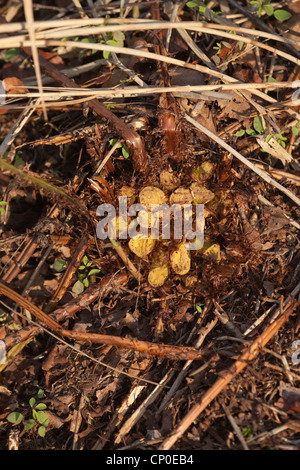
x,y
289,399
236,108
55,357
274,148
141,247
14,85
158,276
152,195
169,180
181,260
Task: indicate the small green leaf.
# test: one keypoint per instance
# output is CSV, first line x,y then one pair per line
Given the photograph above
x,y
59,265
15,417
226,44
11,53
257,124
85,260
269,137
42,418
41,406
202,9
119,38
28,424
32,402
199,307
87,40
112,42
269,9
3,203
296,129
40,393
85,282
125,151
250,131
240,133
42,431
34,413
192,4
282,15
78,288
18,161
216,59
94,271
114,141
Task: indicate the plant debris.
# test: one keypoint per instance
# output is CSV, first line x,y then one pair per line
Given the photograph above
x,y
118,122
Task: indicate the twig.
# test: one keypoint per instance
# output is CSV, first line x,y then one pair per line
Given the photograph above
x,y
249,355
28,10
236,429
139,412
155,349
262,25
244,160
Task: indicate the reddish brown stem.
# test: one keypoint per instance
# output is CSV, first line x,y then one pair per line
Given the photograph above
x,y
154,349
133,140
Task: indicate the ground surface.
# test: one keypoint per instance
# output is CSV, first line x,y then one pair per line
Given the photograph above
x,y
66,389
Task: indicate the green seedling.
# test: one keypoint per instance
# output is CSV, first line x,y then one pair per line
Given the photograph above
x,y
201,7
11,53
259,130
247,433
296,128
265,6
218,48
18,160
39,417
83,276
114,39
125,150
2,207
199,307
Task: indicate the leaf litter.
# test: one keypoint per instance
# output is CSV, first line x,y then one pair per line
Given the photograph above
x,y
175,324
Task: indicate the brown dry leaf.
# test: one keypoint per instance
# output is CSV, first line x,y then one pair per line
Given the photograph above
x,y
14,85
54,421
181,260
53,58
182,77
169,180
129,192
274,218
207,119
151,195
201,194
236,108
55,357
213,252
252,235
181,196
274,148
289,399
